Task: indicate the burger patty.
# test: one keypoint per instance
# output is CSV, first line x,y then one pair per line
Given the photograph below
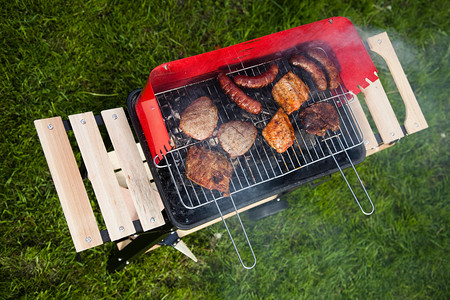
x,y
209,169
319,117
199,119
237,137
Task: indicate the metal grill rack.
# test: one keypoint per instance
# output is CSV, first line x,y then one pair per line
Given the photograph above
x,y
261,163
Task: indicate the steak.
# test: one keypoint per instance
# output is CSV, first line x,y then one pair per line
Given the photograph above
x,y
290,92
199,119
237,137
279,133
209,169
319,117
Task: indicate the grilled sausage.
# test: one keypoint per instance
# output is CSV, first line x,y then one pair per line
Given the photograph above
x,y
328,65
318,76
256,82
238,96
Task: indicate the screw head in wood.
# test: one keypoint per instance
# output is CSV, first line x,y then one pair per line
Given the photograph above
x,y
88,239
122,229
83,121
50,126
114,116
152,220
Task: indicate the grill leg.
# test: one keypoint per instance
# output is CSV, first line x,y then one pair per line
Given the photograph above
x,y
146,240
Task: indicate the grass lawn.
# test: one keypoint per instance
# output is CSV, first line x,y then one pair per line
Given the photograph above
x,y
65,57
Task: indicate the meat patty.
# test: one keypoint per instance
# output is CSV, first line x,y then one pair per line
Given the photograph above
x,y
199,119
290,92
279,133
237,137
316,73
328,66
319,117
209,169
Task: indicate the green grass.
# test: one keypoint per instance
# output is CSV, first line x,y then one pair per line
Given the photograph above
x,y
64,58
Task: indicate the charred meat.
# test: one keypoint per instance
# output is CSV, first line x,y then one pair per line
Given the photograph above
x,y
319,117
259,81
209,169
279,133
237,137
327,64
316,73
199,119
290,92
238,96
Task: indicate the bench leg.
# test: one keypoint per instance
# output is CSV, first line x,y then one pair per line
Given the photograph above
x,y
146,240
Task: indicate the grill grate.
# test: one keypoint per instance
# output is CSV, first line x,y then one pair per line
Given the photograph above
x,y
261,163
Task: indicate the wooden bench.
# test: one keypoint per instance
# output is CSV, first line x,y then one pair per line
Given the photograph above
x,y
129,204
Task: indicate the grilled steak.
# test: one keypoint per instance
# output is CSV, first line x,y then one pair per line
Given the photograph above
x,y
279,133
199,119
319,117
209,169
237,137
290,92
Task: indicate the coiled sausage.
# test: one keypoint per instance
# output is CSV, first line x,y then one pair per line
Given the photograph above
x,y
238,96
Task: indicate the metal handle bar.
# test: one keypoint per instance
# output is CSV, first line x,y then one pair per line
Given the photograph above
x,y
357,175
243,229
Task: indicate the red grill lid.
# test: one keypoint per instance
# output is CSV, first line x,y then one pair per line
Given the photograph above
x,y
336,35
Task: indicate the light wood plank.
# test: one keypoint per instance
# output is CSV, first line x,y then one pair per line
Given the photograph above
x,y
382,112
115,161
68,183
414,119
370,141
145,199
101,173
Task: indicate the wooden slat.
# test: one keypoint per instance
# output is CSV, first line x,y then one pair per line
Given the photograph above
x,y
370,141
101,173
414,119
144,197
115,160
382,112
68,183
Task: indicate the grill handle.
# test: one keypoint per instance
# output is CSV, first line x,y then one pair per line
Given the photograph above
x,y
414,121
346,181
231,237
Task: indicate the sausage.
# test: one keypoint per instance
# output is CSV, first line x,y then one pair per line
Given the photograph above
x,y
238,96
259,81
328,65
318,76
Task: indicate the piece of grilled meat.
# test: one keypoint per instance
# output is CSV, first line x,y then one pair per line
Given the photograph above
x,y
290,92
209,169
316,73
238,96
279,133
319,117
199,119
259,81
237,137
328,65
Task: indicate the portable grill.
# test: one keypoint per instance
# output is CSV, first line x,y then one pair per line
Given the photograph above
x,y
261,172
